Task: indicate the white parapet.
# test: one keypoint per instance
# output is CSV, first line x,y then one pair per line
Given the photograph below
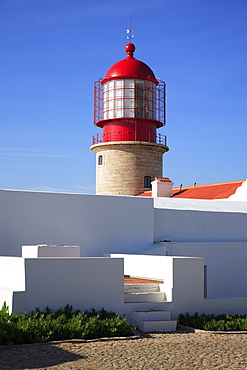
x,y
84,283
49,250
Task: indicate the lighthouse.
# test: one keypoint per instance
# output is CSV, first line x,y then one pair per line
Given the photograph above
x,y
129,106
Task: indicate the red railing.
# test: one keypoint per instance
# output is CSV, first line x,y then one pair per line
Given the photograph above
x,y
121,136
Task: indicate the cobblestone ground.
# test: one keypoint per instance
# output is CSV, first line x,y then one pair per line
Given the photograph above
x,y
173,351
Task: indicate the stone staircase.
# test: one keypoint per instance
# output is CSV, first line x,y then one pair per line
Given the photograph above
x,y
146,308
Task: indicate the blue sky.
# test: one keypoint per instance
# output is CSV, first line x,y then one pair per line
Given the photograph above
x,y
52,51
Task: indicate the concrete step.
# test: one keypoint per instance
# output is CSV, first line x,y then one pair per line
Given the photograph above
x,y
133,288
157,326
152,316
147,306
144,297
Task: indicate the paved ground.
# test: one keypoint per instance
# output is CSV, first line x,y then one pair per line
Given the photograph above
x,y
173,351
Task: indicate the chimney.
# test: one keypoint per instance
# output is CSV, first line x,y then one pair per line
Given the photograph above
x,y
162,187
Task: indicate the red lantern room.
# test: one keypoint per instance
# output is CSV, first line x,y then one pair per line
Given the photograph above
x,y
129,103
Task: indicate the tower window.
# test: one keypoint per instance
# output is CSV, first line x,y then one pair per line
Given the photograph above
x,y
100,160
147,181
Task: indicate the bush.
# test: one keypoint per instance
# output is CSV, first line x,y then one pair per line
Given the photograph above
x,y
217,323
62,324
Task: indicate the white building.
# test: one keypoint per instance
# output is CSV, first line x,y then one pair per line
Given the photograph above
x,y
197,249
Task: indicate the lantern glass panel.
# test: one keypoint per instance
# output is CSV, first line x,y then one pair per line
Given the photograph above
x,y
129,98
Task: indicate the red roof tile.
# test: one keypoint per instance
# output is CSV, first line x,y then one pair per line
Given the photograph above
x,y
147,193
132,280
165,179
221,190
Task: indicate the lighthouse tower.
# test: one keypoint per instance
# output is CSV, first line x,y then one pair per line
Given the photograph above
x,y
129,105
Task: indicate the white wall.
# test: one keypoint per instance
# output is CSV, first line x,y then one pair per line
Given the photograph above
x,y
226,265
183,284
182,220
215,230
144,265
35,251
188,292
216,205
84,283
6,296
240,194
113,224
98,224
12,273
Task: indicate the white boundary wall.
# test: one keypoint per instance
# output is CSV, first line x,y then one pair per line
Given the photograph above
x,y
186,220
226,264
98,224
84,283
215,230
113,224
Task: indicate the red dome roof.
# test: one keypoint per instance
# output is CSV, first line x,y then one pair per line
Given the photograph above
x,y
129,68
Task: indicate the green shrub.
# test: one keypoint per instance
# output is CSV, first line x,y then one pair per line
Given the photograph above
x,y
217,323
62,324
